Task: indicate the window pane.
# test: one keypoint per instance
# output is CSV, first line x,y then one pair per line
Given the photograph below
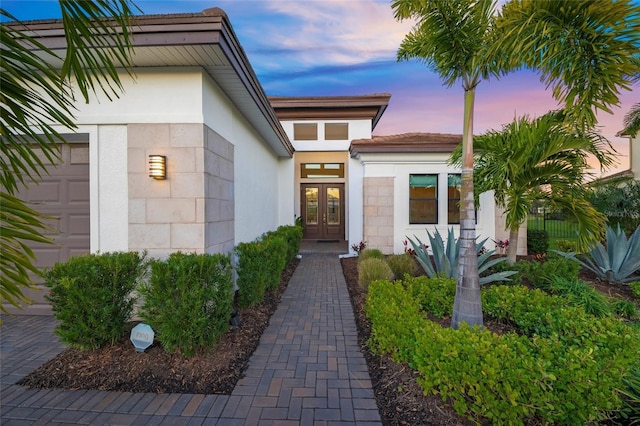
x,y
333,206
423,211
453,194
324,170
336,131
423,198
311,201
305,131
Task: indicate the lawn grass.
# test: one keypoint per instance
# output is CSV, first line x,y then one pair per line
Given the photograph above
x,y
557,230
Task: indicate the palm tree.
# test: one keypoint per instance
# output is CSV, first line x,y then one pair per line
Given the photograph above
x,y
540,159
452,38
586,50
36,97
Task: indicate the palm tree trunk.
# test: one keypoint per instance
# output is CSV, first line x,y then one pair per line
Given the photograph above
x,y
512,248
467,306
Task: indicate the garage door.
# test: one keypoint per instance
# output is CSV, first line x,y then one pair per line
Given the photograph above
x,y
63,195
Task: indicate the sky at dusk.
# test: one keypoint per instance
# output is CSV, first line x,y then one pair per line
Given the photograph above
x,y
349,47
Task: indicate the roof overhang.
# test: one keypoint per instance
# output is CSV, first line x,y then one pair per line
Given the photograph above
x,y
406,143
204,40
369,107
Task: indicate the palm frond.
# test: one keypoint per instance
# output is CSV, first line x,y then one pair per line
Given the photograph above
x,y
632,121
585,51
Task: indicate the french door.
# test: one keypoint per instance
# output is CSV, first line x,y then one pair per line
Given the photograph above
x,y
322,211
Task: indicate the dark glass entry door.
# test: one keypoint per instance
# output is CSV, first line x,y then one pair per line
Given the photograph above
x,y
323,211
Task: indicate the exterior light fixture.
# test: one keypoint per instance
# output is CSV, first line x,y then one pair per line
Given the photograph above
x,y
158,167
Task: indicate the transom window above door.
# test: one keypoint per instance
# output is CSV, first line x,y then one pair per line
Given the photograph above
x,y
321,170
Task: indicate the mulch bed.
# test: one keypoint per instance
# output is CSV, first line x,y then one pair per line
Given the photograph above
x,y
120,368
399,396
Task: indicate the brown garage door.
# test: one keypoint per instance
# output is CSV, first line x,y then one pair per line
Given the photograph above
x,y
64,195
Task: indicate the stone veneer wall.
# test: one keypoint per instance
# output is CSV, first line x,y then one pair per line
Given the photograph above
x,y
219,192
378,213
190,211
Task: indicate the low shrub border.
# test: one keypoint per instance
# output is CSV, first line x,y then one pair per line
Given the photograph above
x,y
571,373
260,263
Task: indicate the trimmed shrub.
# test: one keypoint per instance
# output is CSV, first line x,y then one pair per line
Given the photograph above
x,y
91,296
251,274
274,247
395,316
402,264
537,241
188,300
434,295
373,269
572,375
369,253
260,263
293,237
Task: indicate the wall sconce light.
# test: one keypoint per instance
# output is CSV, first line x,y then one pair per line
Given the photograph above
x,y
158,167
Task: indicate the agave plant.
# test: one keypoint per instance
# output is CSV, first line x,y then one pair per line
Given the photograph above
x,y
445,258
617,262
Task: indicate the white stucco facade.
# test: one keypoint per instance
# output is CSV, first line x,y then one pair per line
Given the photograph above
x,y
397,168
209,201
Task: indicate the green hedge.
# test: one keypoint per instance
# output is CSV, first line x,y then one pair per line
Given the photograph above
x,y
188,300
91,296
293,237
537,241
260,263
569,370
435,295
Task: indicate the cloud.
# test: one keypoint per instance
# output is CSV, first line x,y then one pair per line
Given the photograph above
x,y
308,33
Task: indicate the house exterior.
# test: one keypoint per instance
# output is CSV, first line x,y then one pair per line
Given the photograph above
x,y
238,163
633,172
634,154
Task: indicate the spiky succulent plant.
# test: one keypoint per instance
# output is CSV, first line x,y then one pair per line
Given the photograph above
x,y
617,262
445,258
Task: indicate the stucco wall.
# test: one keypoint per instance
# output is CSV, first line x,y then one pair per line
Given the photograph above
x,y
259,200
358,129
503,234
223,183
397,168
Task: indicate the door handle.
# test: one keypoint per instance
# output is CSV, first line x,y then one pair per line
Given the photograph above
x,y
324,218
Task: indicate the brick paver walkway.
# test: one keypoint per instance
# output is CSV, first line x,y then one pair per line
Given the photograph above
x,y
307,370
